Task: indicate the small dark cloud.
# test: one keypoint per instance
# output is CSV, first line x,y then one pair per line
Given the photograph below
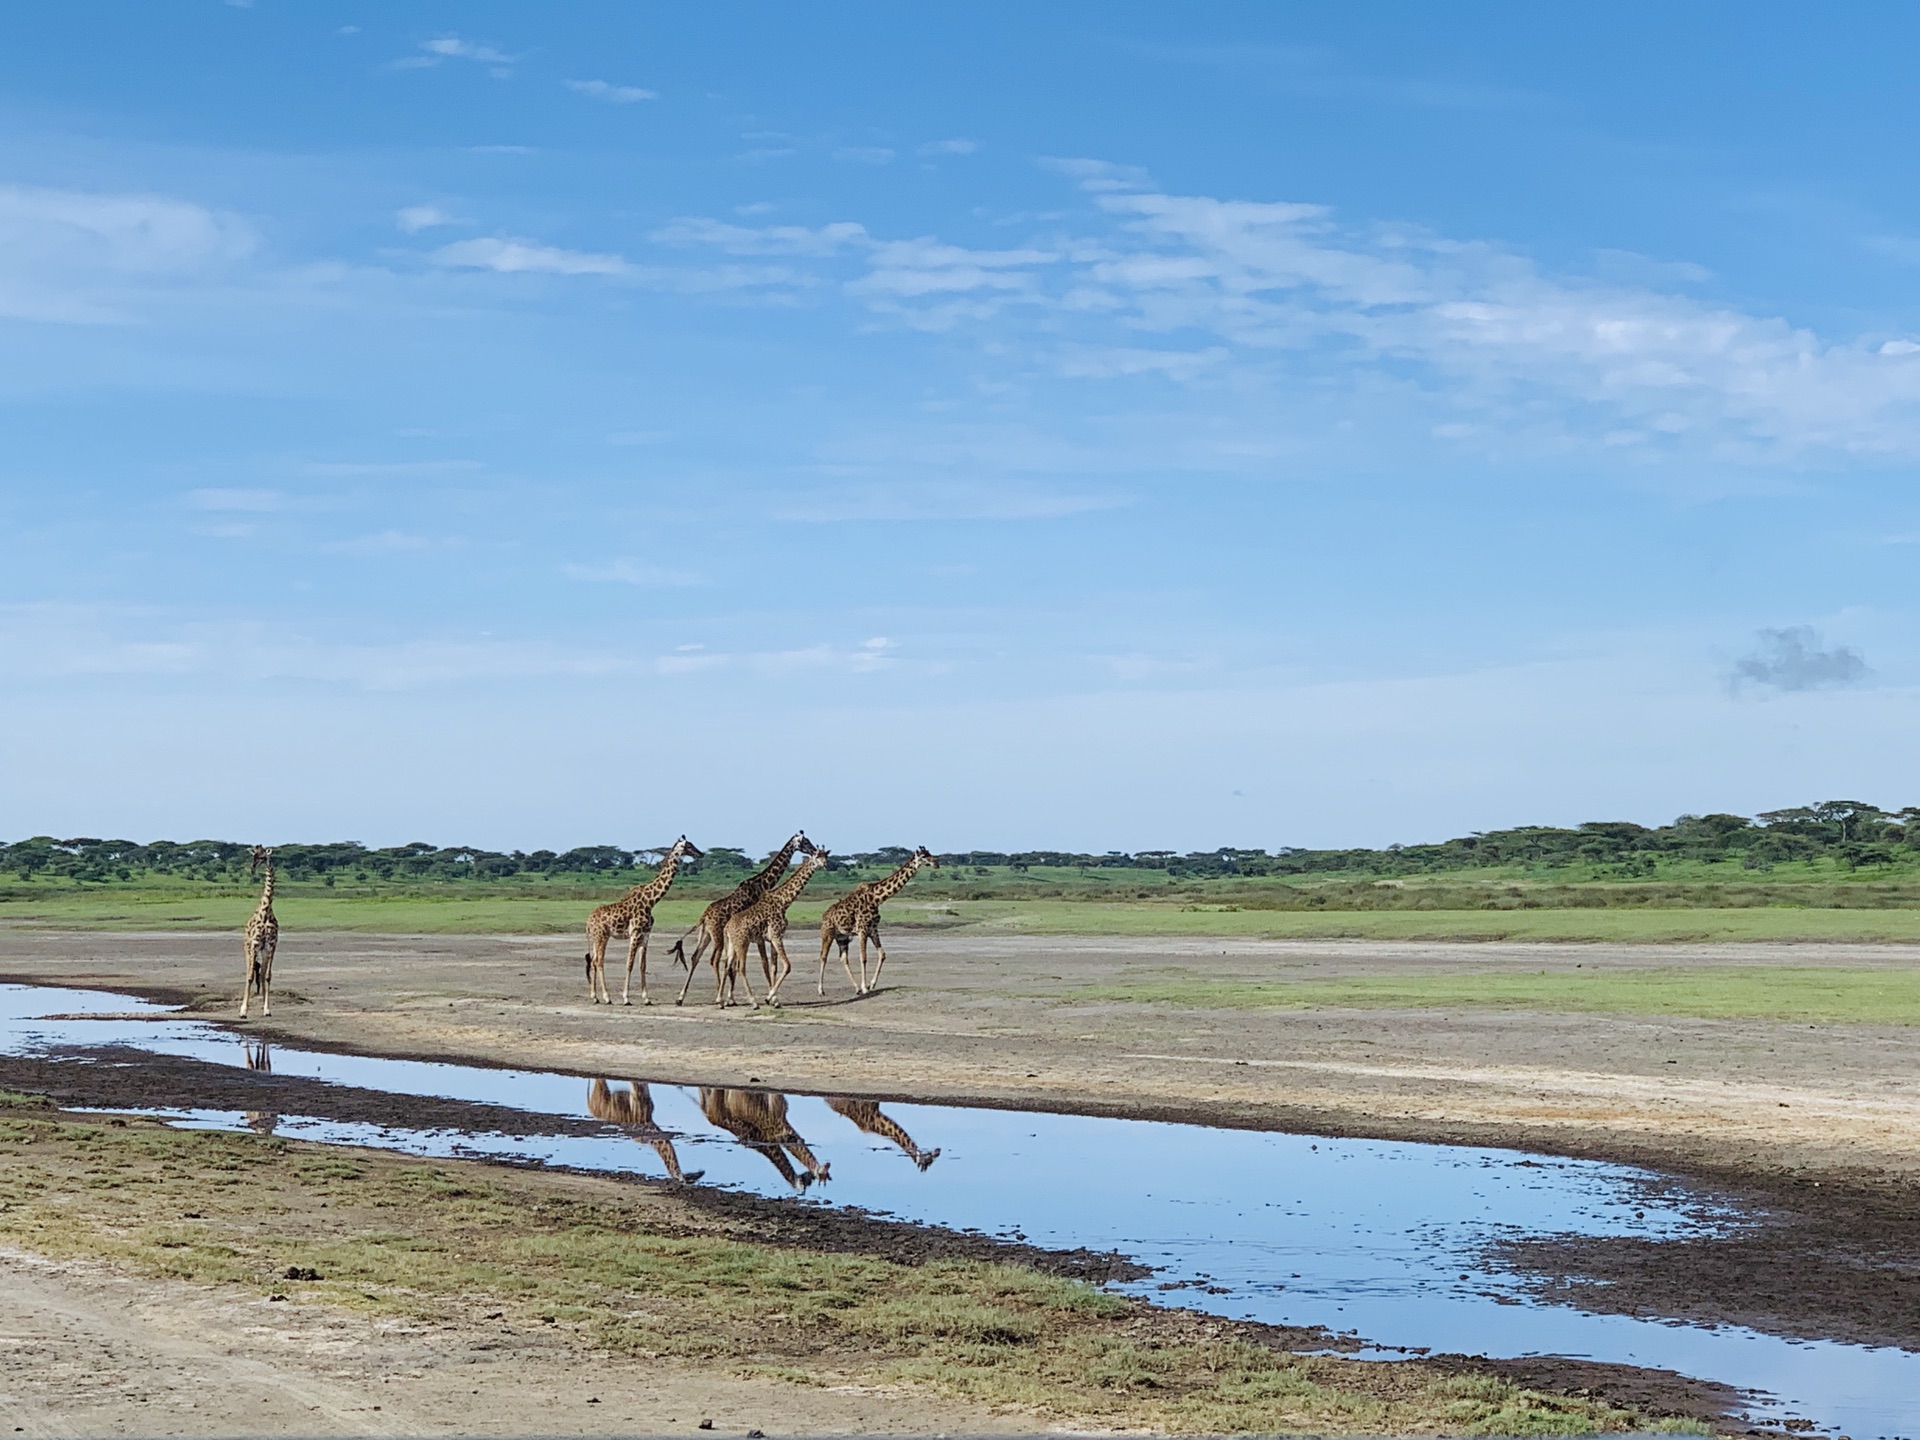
x,y
1796,659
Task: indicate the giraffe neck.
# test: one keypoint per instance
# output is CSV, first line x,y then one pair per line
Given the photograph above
x,y
772,872
885,890
875,1121
266,890
662,882
786,893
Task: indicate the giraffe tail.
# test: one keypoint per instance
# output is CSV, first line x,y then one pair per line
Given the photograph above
x,y
680,947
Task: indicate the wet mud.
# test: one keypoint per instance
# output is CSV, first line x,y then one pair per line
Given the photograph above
x,y
1832,1259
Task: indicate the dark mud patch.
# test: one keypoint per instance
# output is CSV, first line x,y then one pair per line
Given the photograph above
x,y
1833,1259
1656,1394
113,1077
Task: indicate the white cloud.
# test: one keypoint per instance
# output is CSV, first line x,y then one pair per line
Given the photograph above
x,y
452,47
612,94
510,256
385,542
634,572
415,218
763,239
351,468
863,155
948,147
1285,298
253,501
82,257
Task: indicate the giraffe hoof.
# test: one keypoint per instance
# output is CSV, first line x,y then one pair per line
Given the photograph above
x,y
625,1001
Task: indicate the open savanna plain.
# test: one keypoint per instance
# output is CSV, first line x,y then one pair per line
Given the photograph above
x,y
1784,1077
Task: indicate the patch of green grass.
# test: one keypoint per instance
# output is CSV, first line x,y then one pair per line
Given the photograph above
x,y
1620,926
643,1273
456,913
1716,992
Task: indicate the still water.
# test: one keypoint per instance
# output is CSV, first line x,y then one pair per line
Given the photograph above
x,y
1382,1239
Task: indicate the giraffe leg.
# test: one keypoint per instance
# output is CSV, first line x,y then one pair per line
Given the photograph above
x,y
826,947
846,945
246,985
881,946
636,945
266,983
786,969
693,966
645,999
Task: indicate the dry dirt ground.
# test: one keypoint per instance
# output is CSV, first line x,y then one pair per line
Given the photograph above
x,y
1814,1129
84,1351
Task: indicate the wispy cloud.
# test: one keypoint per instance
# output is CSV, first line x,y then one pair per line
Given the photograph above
x,y
82,257
386,468
258,502
634,572
612,94
947,147
1285,295
1796,658
863,155
415,218
386,542
510,256
452,47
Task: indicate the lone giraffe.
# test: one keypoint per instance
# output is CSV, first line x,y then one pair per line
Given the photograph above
x,y
857,913
262,938
763,924
713,921
632,1111
758,1120
869,1117
632,916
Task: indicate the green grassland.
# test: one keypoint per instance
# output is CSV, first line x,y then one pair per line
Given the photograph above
x,y
1685,900
1720,992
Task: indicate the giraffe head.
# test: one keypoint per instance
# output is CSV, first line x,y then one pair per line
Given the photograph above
x,y
685,849
801,843
926,856
262,855
816,860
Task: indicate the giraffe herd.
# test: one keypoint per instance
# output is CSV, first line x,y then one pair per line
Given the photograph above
x,y
750,919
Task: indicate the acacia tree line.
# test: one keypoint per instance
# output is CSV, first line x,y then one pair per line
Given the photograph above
x,y
1851,831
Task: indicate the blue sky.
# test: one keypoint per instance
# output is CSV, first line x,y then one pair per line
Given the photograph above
x,y
1098,425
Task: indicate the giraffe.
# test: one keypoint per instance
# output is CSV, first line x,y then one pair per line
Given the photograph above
x,y
857,913
261,939
867,1115
758,1120
713,921
763,924
632,916
633,1112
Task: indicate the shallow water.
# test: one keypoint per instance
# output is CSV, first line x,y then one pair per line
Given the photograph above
x,y
1379,1238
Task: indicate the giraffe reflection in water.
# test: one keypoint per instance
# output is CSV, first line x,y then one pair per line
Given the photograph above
x,y
869,1117
758,1120
260,1058
632,1111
